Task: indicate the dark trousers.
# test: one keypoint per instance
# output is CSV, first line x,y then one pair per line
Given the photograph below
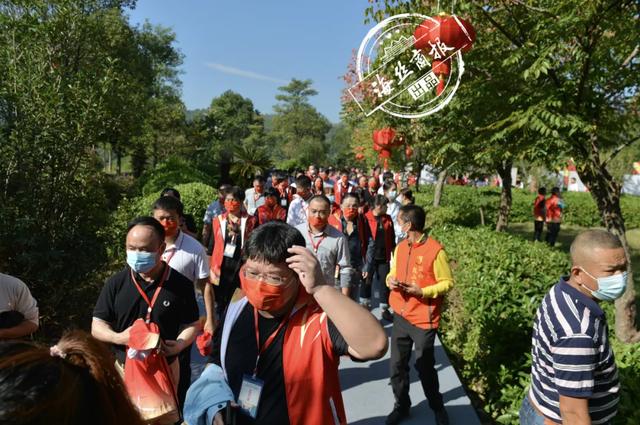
x,y
538,227
185,375
403,336
379,275
552,233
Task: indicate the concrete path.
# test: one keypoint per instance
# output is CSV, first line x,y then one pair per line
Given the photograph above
x,y
368,397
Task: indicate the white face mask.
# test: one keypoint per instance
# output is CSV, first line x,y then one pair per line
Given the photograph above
x,y
392,195
610,288
403,233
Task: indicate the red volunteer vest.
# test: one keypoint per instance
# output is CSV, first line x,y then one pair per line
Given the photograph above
x,y
539,208
264,214
310,368
414,264
554,212
389,233
247,224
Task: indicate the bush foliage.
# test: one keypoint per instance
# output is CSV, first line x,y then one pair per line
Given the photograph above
x,y
169,173
462,205
195,198
500,280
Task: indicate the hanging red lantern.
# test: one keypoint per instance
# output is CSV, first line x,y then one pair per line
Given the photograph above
x,y
427,32
359,156
451,30
408,151
441,69
458,33
440,34
383,141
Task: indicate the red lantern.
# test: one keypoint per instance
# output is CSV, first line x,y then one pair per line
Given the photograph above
x,y
383,141
458,33
408,151
359,156
453,32
427,31
441,68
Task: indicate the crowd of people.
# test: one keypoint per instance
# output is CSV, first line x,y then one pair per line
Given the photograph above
x,y
247,322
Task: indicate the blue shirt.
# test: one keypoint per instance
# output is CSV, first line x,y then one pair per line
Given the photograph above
x,y
571,355
213,210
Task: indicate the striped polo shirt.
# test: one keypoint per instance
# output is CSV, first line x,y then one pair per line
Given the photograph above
x,y
571,355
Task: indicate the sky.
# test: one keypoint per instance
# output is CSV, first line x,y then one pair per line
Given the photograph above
x,y
253,47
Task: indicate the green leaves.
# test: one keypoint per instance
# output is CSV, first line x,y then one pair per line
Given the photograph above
x,y
298,127
499,282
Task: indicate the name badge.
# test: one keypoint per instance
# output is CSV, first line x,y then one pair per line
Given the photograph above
x,y
229,250
283,202
249,398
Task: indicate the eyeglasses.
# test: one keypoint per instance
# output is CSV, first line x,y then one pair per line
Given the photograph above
x,y
270,279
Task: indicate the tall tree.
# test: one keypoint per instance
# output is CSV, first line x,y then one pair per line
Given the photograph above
x,y
73,77
299,128
230,120
570,70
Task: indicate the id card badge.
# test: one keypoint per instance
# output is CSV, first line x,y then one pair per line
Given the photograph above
x,y
249,398
283,202
229,250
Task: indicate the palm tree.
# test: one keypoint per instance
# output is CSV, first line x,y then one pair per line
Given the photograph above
x,y
249,161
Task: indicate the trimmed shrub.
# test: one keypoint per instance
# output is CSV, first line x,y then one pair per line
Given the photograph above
x,y
487,321
171,173
195,198
466,203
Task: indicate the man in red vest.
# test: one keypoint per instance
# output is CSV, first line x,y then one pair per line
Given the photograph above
x,y
418,279
279,345
342,186
539,214
271,210
554,206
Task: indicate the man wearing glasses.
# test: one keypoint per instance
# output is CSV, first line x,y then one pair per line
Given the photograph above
x,y
279,345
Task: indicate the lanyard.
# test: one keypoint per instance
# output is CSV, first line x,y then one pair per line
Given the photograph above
x,y
155,294
316,246
269,340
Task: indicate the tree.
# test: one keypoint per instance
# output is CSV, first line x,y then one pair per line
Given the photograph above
x,y
163,131
230,120
298,127
73,78
571,75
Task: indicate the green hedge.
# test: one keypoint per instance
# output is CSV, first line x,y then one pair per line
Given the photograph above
x,y
462,205
195,198
171,173
488,317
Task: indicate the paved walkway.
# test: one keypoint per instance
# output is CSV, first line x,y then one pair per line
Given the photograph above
x,y
368,397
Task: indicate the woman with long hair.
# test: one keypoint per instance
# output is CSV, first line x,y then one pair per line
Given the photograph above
x,y
74,382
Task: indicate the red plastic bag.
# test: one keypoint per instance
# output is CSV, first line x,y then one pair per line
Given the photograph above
x,y
147,376
203,341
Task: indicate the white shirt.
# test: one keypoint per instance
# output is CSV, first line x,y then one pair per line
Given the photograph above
x,y
188,257
252,203
393,208
15,296
297,211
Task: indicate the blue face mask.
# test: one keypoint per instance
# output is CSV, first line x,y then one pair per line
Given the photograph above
x,y
141,261
610,288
